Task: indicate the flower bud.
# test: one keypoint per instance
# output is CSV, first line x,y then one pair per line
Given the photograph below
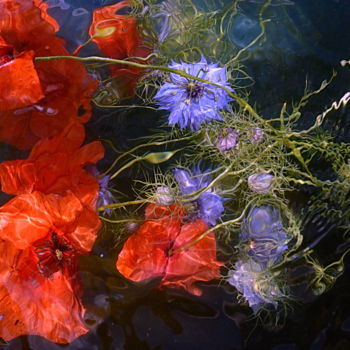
x,y
260,182
256,134
163,196
228,139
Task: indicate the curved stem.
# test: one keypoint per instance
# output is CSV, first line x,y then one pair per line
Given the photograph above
x,y
244,104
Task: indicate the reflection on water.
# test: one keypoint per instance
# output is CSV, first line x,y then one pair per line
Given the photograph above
x,y
124,315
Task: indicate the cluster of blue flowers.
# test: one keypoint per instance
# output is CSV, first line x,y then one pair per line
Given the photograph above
x,y
209,205
191,102
262,232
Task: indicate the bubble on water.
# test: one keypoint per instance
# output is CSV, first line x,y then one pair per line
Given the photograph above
x,y
244,30
58,3
80,12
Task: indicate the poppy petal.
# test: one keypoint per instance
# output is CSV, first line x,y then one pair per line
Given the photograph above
x,y
35,305
144,254
197,263
19,83
30,217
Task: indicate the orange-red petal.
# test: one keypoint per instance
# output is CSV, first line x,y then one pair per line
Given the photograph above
x,y
144,254
197,263
30,217
19,82
117,36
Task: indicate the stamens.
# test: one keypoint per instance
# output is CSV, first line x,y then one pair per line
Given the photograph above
x,y
54,254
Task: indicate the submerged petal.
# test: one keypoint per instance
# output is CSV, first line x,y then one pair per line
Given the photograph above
x,y
36,305
146,252
197,263
19,82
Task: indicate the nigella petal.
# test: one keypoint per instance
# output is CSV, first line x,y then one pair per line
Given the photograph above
x,y
186,183
175,117
210,207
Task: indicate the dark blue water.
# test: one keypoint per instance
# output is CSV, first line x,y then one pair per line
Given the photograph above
x,y
306,40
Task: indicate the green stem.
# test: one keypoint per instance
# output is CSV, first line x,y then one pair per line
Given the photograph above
x,y
121,205
244,104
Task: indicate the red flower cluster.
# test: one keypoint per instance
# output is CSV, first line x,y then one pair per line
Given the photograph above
x,y
39,99
146,253
52,217
43,228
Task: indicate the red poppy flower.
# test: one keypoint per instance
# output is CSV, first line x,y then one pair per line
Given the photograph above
x,y
145,253
56,166
30,217
39,290
66,87
117,36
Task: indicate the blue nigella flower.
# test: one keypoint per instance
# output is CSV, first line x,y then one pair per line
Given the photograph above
x,y
257,285
105,197
263,231
209,205
191,102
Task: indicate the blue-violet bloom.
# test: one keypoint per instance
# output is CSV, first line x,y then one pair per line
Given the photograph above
x,y
105,197
191,102
257,285
263,231
209,204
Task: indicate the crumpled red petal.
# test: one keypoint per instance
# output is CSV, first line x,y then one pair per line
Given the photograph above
x,y
19,82
117,36
197,263
30,217
33,304
146,253
55,166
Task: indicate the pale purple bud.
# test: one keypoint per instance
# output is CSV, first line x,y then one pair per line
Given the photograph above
x,y
256,134
163,196
131,227
228,139
260,183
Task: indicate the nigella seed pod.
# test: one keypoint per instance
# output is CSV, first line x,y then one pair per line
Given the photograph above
x,y
260,182
256,134
228,139
163,196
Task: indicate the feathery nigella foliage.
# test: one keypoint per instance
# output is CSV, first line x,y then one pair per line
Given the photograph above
x,y
190,102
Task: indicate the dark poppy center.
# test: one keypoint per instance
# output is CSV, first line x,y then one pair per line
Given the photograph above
x,y
194,90
54,254
4,59
6,53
